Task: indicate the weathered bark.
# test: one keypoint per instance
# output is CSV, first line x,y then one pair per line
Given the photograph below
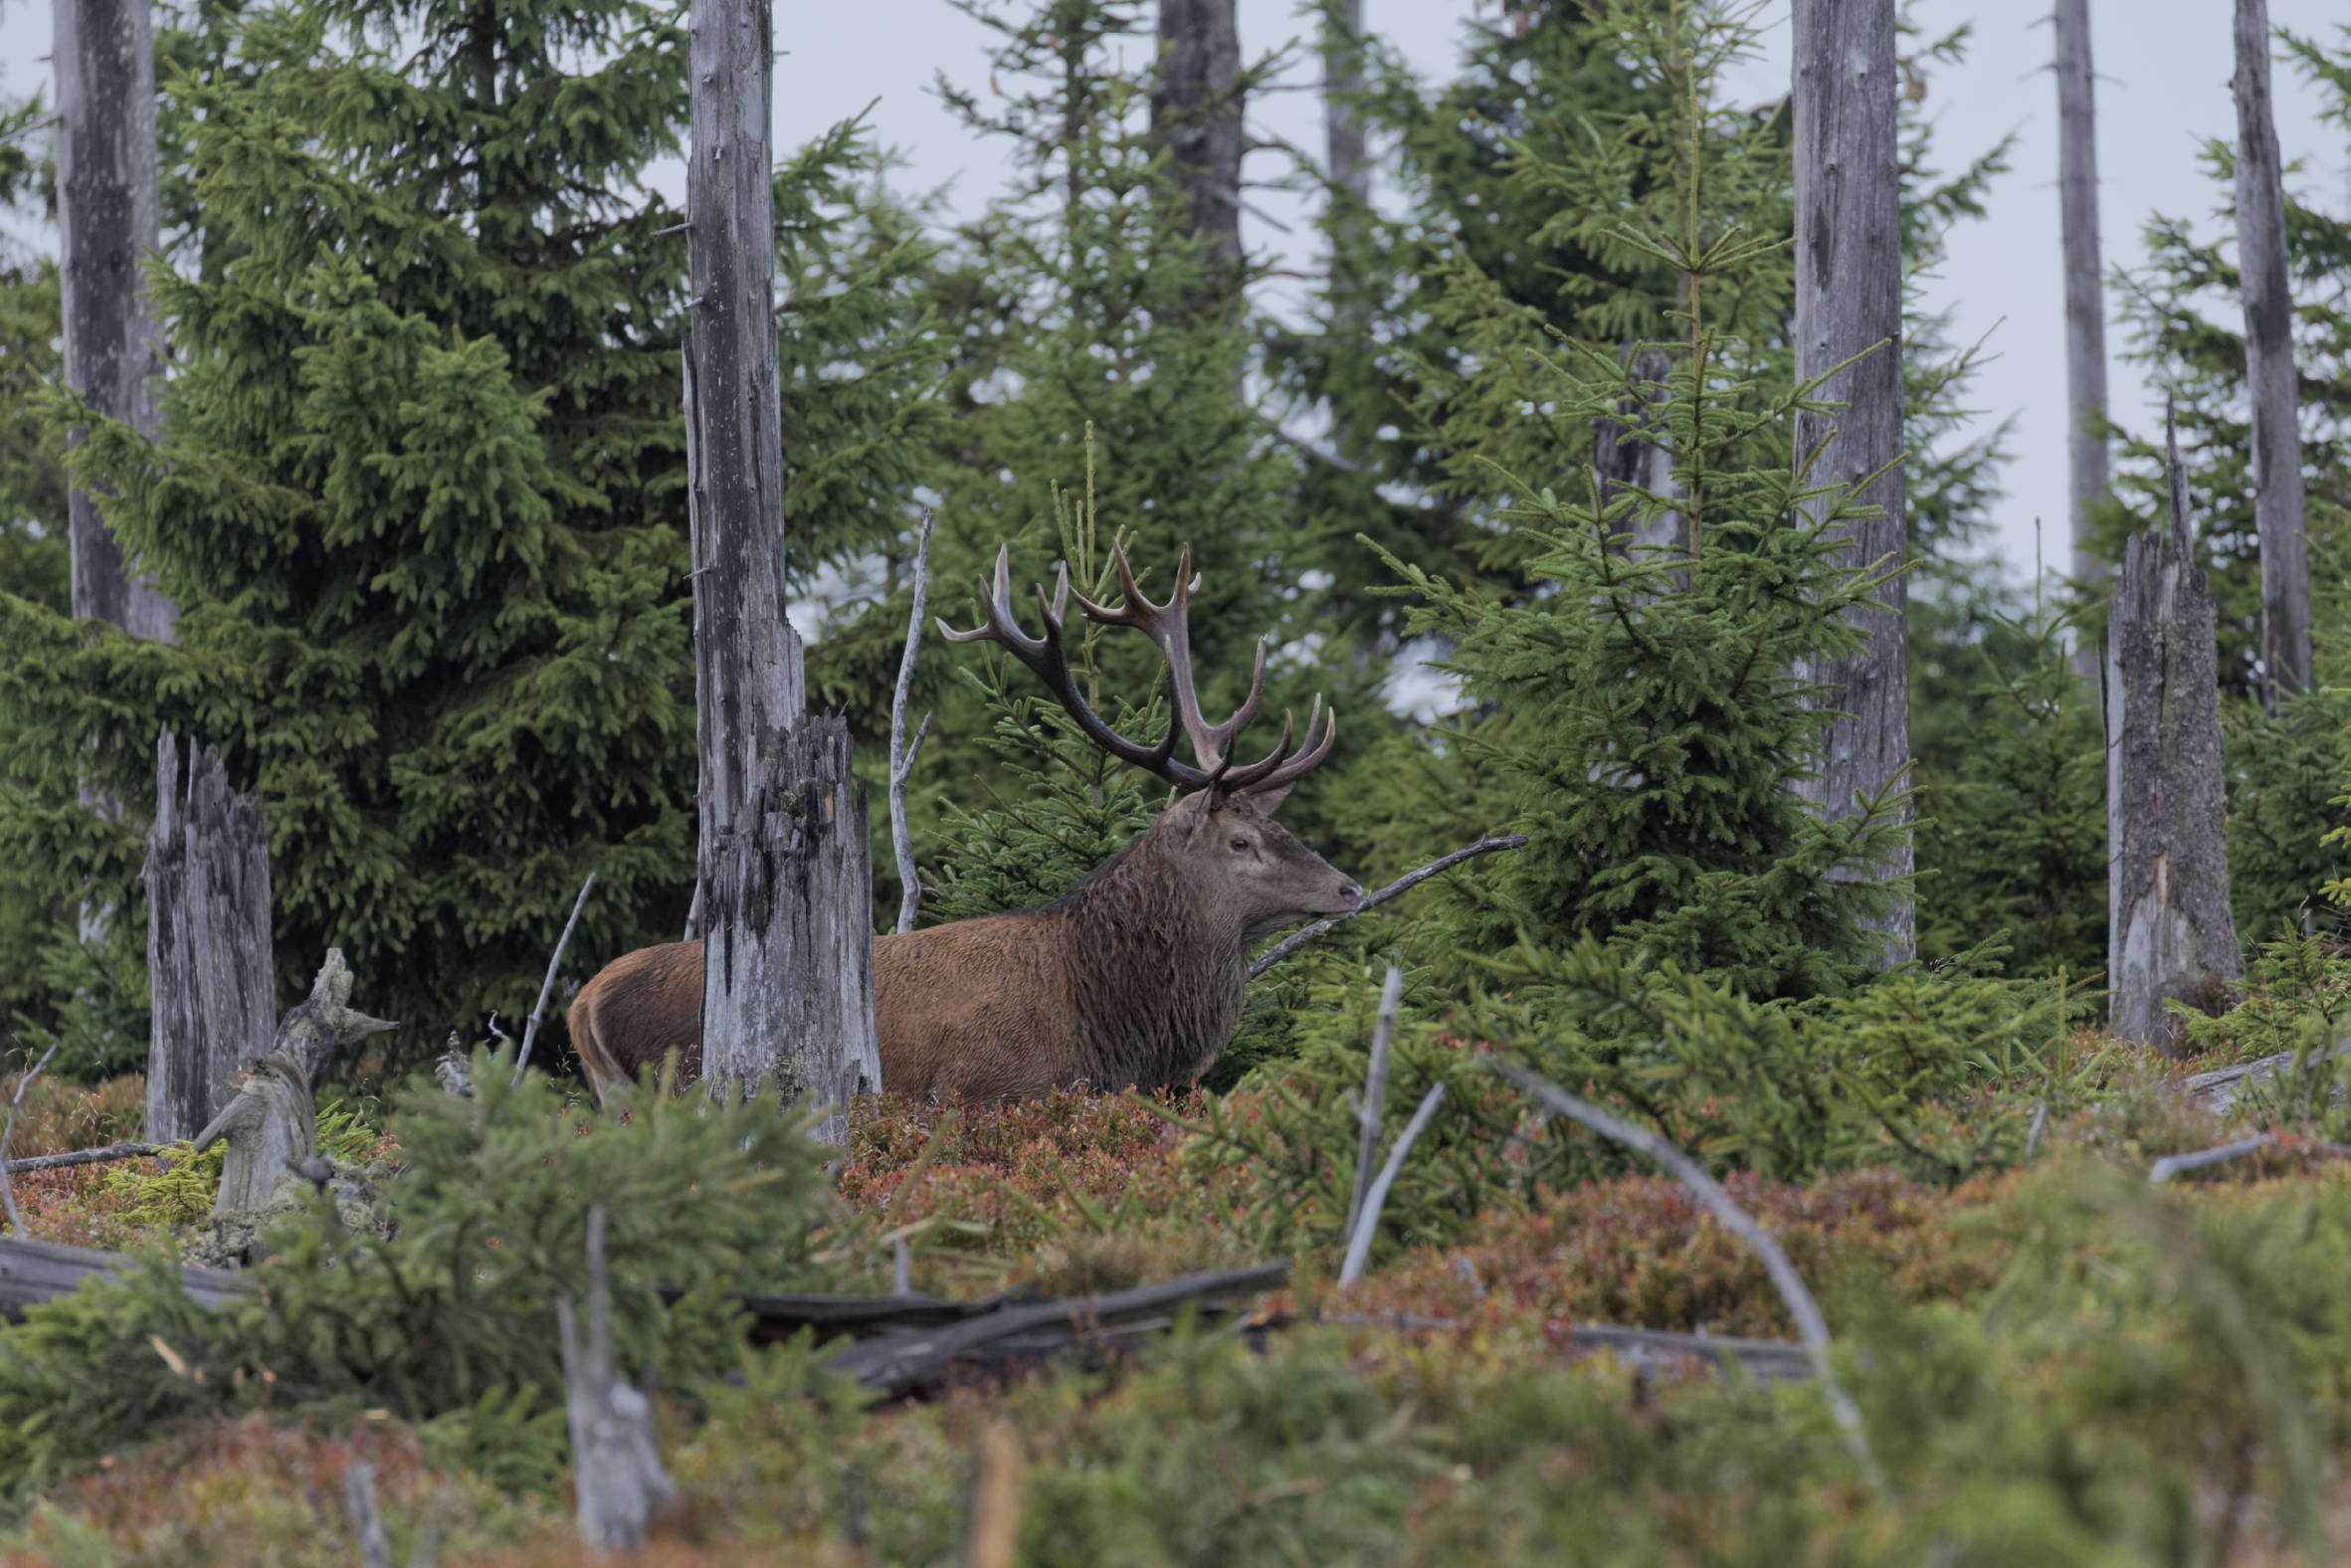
x,y
617,1473
2270,368
1196,115
2170,935
1342,86
1848,301
2085,297
272,1122
209,968
107,221
789,887
784,881
1622,463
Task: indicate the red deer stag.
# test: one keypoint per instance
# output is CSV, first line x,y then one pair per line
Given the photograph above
x,y
1134,977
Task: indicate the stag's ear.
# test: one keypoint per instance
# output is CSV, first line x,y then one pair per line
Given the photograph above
x,y
1267,801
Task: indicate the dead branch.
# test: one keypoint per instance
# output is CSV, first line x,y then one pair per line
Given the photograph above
x,y
1404,883
367,1523
1368,1223
35,1272
15,1221
1375,1092
993,1538
901,752
530,1030
1811,1328
2172,1164
97,1156
617,1473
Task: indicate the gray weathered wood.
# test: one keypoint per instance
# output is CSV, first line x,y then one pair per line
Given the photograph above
x,y
788,964
108,213
785,879
616,1472
1848,301
2169,932
2086,297
1375,1197
367,1521
1196,115
272,1124
1375,1093
209,972
35,1272
2270,368
903,751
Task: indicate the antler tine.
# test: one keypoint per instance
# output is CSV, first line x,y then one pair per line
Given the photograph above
x,y
1259,771
1278,781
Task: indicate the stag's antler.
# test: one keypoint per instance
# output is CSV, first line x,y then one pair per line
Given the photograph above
x,y
1268,778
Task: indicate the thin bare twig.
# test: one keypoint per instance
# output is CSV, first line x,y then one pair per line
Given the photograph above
x,y
1368,1223
1375,1093
530,1030
1811,1328
902,753
15,1221
1404,883
367,1523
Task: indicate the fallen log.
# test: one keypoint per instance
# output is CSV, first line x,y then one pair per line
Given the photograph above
x,y
35,1272
98,1156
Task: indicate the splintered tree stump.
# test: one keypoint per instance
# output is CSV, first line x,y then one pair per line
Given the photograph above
x,y
208,965
2170,935
272,1125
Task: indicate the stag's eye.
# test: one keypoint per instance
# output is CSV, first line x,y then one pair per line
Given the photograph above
x,y
1240,844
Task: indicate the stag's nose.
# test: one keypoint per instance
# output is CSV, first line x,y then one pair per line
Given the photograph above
x,y
1350,891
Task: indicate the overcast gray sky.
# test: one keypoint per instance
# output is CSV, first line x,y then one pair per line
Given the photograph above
x,y
2163,64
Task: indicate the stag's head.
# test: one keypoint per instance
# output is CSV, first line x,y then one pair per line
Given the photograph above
x,y
1220,836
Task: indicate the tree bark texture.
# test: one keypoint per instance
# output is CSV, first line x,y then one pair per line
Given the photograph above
x,y
209,970
1849,300
2169,934
789,895
2270,368
109,220
1622,463
784,889
1196,115
2085,296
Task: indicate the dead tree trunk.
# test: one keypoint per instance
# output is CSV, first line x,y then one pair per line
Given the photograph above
x,y
785,881
109,220
2270,368
1631,451
1196,115
209,970
2086,297
1343,86
1848,301
2169,932
272,1122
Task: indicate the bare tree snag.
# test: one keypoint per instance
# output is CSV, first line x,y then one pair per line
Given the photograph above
x,y
1632,452
109,219
616,1472
785,881
2170,935
1849,303
1196,115
2086,297
2270,368
903,751
1342,86
209,969
271,1124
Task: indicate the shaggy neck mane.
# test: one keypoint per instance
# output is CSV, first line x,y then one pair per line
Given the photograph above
x,y
1153,971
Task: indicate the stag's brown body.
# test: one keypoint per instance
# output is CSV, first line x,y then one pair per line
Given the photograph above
x,y
1133,978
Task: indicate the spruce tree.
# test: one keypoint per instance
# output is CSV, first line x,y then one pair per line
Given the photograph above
x,y
422,494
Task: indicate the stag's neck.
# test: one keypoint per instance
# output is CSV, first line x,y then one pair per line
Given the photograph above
x,y
1156,976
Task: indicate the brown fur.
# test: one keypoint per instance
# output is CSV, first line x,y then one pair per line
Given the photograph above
x,y
1134,977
